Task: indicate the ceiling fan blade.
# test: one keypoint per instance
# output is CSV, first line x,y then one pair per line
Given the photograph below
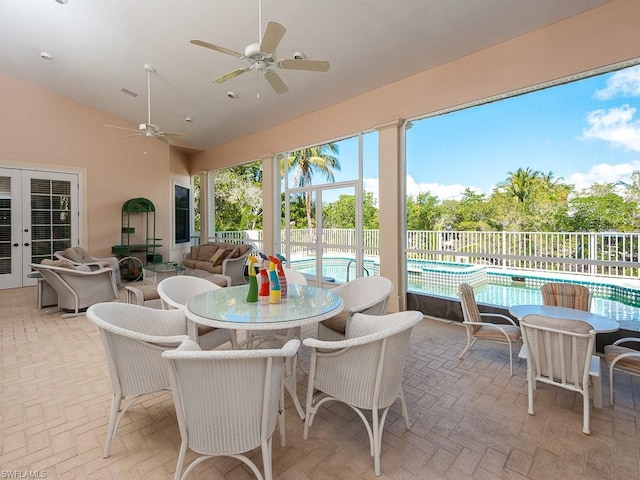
x,y
310,65
121,128
134,135
232,74
272,37
175,134
276,82
216,47
162,138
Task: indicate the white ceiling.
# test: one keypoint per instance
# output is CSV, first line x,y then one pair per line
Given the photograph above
x,y
100,47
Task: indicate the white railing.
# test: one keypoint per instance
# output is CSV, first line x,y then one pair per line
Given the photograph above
x,y
609,254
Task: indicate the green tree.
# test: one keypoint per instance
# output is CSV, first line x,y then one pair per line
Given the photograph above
x,y
310,161
422,211
238,197
342,212
600,209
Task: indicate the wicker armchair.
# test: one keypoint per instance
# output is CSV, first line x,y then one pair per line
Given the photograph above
x,y
364,371
228,402
560,353
79,256
477,329
134,337
79,289
175,292
361,295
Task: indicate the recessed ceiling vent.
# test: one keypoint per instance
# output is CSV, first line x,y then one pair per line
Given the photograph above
x,y
129,92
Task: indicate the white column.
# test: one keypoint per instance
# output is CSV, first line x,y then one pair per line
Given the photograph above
x,y
270,205
391,148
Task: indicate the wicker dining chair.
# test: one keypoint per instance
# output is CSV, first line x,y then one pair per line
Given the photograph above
x,y
175,292
134,337
228,402
361,295
364,371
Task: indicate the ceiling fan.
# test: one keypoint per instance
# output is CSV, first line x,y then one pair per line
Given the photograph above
x,y
149,129
261,57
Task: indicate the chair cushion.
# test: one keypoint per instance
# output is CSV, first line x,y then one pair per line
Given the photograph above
x,y
338,322
630,363
58,263
489,333
73,255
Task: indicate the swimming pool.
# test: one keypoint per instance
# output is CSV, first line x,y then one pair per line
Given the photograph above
x,y
500,288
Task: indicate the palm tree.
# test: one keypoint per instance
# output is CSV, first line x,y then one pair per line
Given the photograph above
x,y
310,161
520,183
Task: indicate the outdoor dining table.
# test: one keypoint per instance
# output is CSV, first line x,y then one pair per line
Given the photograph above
x,y
228,308
599,323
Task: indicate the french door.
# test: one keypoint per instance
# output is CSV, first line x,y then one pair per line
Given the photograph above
x,y
38,216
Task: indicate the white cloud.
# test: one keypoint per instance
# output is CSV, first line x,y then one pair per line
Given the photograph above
x,y
443,192
603,173
615,126
452,191
622,83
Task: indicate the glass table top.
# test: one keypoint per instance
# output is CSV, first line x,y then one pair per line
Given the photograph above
x,y
163,267
229,305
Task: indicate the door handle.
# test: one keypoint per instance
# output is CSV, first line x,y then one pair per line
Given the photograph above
x,y
16,244
26,244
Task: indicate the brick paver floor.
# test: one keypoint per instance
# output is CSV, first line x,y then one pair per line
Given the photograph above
x,y
469,418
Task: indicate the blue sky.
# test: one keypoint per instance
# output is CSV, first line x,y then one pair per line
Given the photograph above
x,y
585,132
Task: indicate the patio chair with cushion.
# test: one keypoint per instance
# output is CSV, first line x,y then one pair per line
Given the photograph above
x,y
79,256
477,329
228,402
363,371
134,338
360,295
78,287
560,353
175,292
623,359
568,295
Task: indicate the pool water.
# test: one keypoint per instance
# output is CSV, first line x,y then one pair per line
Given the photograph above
x,y
628,316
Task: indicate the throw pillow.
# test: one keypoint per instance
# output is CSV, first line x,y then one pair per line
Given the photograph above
x,y
194,252
235,253
219,256
206,252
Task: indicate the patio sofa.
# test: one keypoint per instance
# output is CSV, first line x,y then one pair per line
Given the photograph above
x,y
220,258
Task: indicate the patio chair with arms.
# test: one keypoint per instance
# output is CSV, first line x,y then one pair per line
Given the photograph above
x,y
175,292
560,353
568,295
79,256
623,359
360,295
228,402
78,288
364,371
477,329
134,338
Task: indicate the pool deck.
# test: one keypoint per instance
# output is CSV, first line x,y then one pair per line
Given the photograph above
x,y
469,417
